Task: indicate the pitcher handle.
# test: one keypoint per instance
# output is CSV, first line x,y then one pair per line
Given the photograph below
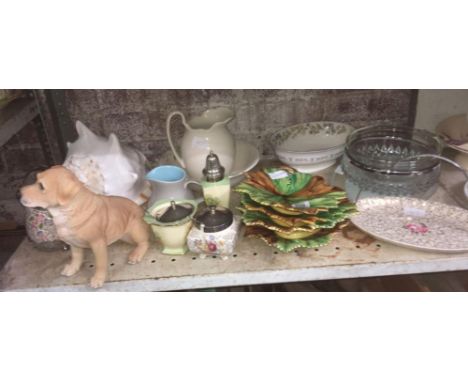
x,y
191,181
168,132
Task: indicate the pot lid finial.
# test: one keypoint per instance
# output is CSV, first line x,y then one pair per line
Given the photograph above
x,y
175,212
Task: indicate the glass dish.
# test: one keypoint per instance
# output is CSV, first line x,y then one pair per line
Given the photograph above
x,y
374,161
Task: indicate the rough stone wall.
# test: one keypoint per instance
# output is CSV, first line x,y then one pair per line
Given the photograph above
x,y
18,156
138,117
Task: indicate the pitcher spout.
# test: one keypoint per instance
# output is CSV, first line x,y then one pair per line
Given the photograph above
x,y
211,118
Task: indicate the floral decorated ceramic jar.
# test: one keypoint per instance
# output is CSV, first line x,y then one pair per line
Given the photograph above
x,y
214,232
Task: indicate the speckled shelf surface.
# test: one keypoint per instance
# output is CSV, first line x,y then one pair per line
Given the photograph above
x,y
350,254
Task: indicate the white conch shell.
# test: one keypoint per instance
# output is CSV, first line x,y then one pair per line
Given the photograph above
x,y
107,167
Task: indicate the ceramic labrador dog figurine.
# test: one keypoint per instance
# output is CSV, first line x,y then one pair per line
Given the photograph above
x,y
87,220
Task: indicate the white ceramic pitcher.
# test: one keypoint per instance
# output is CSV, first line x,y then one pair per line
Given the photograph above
x,y
204,133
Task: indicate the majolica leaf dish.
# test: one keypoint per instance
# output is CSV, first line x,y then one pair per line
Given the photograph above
x,y
290,210
322,219
284,180
255,218
285,245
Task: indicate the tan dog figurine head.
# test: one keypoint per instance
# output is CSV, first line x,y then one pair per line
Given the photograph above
x,y
54,187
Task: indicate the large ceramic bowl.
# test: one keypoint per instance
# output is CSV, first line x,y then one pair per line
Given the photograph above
x,y
247,157
310,147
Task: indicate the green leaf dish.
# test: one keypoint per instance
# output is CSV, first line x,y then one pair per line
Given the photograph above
x,y
287,182
255,218
327,219
290,210
297,207
286,245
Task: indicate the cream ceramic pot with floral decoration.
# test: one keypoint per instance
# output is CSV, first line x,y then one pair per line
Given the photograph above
x,y
221,243
214,232
204,133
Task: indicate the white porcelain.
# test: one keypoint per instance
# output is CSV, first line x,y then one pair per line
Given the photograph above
x,y
414,223
220,243
246,158
313,168
168,182
106,167
243,162
204,133
310,147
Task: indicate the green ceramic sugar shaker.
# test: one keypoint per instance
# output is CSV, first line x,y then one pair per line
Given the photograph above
x,y
216,185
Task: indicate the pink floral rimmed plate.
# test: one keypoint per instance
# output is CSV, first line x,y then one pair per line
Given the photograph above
x,y
414,223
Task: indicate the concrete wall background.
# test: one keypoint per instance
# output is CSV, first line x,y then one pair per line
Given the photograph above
x,y
436,105
138,118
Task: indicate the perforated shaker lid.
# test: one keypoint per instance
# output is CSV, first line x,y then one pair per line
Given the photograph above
x,y
213,170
